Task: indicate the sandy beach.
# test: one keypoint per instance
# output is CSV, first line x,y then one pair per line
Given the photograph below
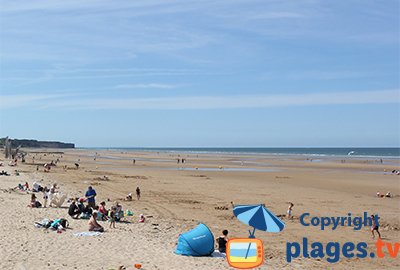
x,y
176,197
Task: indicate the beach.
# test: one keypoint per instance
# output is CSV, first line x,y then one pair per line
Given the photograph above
x,y
175,197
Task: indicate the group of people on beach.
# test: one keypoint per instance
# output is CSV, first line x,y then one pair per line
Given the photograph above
x,y
95,212
84,207
387,195
129,196
49,194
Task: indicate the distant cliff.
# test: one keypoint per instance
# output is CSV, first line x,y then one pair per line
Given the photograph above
x,y
37,144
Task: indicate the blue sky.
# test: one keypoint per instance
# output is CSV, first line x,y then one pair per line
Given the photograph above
x,y
201,73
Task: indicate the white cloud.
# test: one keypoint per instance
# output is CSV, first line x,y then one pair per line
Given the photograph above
x,y
204,102
17,101
146,86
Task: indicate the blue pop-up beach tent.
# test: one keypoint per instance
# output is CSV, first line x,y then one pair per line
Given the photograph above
x,y
196,242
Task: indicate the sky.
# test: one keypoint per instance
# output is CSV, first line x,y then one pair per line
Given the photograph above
x,y
231,73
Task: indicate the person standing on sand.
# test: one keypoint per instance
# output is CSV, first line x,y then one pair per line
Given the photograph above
x,y
138,193
90,197
112,218
45,196
375,227
289,211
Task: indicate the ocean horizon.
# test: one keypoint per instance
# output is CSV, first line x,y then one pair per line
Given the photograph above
x,y
364,152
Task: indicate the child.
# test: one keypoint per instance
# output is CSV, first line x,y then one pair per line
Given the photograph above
x,y
45,196
289,211
141,219
112,218
222,240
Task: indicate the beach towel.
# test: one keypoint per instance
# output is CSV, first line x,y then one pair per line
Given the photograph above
x,y
87,233
217,254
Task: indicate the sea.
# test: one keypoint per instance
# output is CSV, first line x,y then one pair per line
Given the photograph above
x,y
370,152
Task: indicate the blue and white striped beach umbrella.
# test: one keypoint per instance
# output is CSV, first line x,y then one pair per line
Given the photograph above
x,y
258,217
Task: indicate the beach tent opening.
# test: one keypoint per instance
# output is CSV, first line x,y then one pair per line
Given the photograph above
x,y
196,242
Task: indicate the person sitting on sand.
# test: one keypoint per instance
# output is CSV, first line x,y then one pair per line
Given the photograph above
x,y
81,206
35,187
103,210
34,202
94,226
141,218
388,195
289,211
73,210
85,210
129,197
4,173
379,195
53,190
222,240
119,213
375,227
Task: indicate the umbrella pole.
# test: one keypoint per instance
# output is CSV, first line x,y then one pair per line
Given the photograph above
x,y
251,236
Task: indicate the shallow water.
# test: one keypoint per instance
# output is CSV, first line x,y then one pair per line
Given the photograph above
x,y
192,169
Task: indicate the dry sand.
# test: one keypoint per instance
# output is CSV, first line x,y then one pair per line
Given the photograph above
x,y
177,200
